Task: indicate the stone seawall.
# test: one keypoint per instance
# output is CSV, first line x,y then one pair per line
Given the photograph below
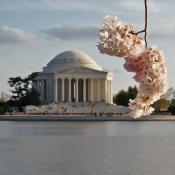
x,y
83,118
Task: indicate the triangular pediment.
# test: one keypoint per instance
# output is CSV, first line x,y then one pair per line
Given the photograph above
x,y
83,71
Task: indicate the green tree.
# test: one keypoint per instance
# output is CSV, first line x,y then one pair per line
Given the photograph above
x,y
172,107
132,92
22,92
161,105
18,91
4,106
122,98
31,98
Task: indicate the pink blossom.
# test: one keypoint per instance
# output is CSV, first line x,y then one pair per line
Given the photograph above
x,y
117,39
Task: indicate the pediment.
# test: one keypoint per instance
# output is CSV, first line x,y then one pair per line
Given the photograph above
x,y
83,71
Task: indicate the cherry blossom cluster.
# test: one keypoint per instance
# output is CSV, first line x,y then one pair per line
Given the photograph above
x,y
151,74
148,64
117,39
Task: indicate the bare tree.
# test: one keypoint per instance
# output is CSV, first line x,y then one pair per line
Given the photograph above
x,y
4,97
170,94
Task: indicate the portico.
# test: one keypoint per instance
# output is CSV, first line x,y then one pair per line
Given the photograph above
x,y
80,80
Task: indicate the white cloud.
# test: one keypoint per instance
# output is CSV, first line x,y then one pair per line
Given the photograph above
x,y
18,5
68,32
163,27
97,6
10,35
138,5
69,5
162,35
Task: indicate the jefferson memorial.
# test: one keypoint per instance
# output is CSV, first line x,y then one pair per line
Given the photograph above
x,y
73,76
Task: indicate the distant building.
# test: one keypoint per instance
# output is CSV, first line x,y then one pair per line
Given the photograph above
x,y
73,76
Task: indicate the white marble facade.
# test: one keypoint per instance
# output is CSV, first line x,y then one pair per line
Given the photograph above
x,y
73,76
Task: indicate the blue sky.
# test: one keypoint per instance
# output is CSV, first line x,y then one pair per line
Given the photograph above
x,y
32,32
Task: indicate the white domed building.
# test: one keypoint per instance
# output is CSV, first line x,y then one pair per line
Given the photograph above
x,y
73,76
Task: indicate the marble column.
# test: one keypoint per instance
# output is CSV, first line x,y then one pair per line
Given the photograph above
x,y
55,90
76,90
98,90
34,84
91,90
106,90
42,90
45,90
84,90
111,98
109,94
62,89
69,95
48,90
39,89
38,86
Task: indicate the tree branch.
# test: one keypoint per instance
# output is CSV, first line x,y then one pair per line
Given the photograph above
x,y
146,24
146,21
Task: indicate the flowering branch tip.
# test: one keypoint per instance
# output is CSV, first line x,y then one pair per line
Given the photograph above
x,y
148,64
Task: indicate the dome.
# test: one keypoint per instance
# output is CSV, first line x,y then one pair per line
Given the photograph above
x,y
71,59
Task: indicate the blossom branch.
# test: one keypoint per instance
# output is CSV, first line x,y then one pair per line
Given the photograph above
x,y
117,39
146,21
146,24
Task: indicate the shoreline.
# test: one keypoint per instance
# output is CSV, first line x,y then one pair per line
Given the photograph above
x,y
84,118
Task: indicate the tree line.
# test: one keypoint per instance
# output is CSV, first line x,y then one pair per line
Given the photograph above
x,y
165,104
24,94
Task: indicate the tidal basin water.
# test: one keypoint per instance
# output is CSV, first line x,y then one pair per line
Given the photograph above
x,y
87,148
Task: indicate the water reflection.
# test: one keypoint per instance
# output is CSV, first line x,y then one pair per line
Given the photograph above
x,y
87,148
